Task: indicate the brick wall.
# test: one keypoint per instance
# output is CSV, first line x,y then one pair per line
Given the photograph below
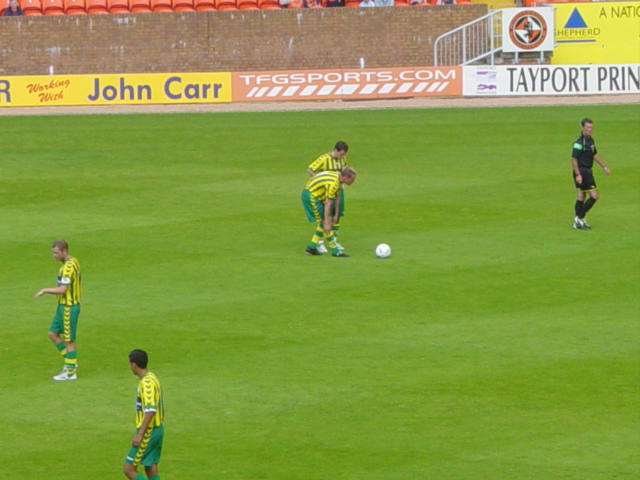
x,y
227,40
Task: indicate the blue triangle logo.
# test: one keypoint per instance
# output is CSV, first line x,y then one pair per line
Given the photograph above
x,y
575,20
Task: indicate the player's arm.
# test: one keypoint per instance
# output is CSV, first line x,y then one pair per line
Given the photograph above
x,y
311,172
336,207
599,161
328,219
60,290
576,170
146,421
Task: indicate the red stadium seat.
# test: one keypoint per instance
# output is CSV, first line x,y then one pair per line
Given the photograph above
x,y
75,7
52,7
161,6
269,4
140,6
204,5
183,5
226,5
118,6
248,4
97,7
31,7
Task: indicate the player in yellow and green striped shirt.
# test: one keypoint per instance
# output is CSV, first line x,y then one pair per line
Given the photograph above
x,y
318,200
146,447
62,331
333,161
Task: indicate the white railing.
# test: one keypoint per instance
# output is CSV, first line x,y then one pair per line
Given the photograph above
x,y
477,40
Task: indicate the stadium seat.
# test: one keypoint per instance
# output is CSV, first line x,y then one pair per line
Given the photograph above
x,y
140,6
400,3
161,6
97,7
269,4
4,4
204,5
183,5
75,7
352,3
52,7
31,7
248,4
118,6
226,5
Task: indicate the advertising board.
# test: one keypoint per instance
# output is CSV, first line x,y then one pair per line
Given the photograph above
x,y
551,80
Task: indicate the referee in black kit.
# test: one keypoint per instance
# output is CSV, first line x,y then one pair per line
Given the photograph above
x,y
582,157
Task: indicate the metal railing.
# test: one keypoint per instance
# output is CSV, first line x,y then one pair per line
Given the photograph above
x,y
474,41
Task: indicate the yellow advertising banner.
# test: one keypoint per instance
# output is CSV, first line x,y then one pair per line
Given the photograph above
x,y
597,33
126,89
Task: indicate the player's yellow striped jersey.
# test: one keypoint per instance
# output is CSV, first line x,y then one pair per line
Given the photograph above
x,y
149,399
324,185
69,275
326,162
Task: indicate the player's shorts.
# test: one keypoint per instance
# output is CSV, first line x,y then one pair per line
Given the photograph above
x,y
148,452
65,322
313,208
588,182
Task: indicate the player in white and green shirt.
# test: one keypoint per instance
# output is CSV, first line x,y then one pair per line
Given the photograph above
x,y
146,446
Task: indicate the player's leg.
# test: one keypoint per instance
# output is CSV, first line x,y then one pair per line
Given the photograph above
x,y
54,334
70,326
594,195
314,210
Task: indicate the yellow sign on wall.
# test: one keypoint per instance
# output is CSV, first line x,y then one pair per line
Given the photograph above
x,y
597,33
152,88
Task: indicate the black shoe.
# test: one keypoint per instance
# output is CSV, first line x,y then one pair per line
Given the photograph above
x,y
312,251
339,254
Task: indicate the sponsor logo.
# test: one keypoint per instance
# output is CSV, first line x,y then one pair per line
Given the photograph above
x,y
528,30
351,84
576,30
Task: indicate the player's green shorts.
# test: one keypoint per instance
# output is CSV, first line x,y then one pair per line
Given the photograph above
x,y
313,208
65,322
148,452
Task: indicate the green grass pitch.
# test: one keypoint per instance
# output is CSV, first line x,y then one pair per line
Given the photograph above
x,y
495,343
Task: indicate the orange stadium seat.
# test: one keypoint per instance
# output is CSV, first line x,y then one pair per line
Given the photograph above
x,y
269,4
400,3
31,7
352,3
52,7
140,6
161,6
75,7
248,5
226,5
118,6
5,4
97,7
182,5
204,5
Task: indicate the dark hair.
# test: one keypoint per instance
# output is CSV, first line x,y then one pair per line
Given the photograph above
x,y
139,357
586,120
341,146
61,244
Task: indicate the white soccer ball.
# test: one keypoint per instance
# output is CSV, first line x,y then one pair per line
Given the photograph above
x,y
383,250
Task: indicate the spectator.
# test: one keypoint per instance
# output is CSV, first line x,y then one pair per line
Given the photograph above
x,y
13,10
368,3
384,3
335,3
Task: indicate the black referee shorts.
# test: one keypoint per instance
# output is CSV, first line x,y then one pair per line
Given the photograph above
x,y
588,182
